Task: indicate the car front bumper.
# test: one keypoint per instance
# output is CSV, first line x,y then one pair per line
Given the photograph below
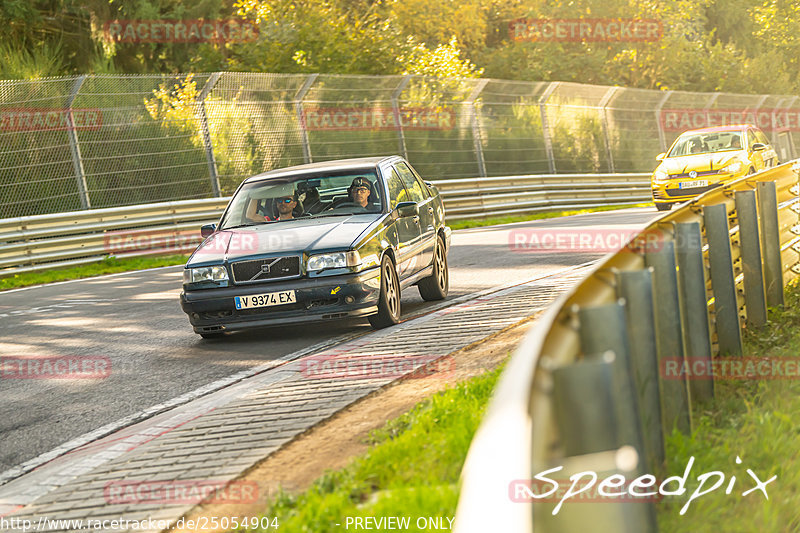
x,y
319,299
673,194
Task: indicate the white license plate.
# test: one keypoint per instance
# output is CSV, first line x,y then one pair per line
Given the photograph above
x,y
693,184
265,300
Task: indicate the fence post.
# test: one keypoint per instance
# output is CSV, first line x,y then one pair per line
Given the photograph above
x,y
476,130
694,307
602,329
726,305
755,300
675,402
662,138
301,122
604,123
548,142
401,136
636,288
209,146
770,242
74,147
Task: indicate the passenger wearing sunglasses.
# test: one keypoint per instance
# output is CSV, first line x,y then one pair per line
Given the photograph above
x,y
284,205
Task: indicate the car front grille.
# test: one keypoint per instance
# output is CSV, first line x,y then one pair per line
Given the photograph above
x,y
268,269
700,174
691,192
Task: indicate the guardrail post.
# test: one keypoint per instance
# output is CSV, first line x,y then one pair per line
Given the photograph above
x,y
548,142
770,242
476,129
602,329
586,405
726,305
401,136
694,306
636,288
755,300
301,121
209,147
74,147
675,403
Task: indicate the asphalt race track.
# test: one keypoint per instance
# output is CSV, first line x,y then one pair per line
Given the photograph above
x,y
135,321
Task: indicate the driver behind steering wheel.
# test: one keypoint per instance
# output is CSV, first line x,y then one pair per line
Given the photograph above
x,y
360,193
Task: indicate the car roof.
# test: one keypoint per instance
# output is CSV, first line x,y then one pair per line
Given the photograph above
x,y
729,127
360,163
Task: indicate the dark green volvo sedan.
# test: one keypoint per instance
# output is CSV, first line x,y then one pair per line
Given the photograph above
x,y
317,242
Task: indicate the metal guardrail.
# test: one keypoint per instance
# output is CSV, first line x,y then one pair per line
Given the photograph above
x,y
586,389
57,240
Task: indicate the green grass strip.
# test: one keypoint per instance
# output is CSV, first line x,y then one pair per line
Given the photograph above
x,y
110,265
756,420
411,469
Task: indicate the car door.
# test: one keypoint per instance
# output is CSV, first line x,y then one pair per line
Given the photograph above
x,y
408,229
419,193
757,158
770,155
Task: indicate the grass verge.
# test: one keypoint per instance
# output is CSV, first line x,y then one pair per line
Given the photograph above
x,y
465,224
755,420
411,469
110,265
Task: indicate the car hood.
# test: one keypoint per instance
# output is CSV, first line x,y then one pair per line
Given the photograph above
x,y
304,235
700,162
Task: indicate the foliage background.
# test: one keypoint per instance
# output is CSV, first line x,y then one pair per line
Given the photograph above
x,y
708,45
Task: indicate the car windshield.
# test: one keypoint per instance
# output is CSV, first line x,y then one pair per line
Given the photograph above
x,y
285,198
705,143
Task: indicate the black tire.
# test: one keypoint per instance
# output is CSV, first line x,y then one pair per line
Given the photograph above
x,y
663,207
213,335
436,286
389,300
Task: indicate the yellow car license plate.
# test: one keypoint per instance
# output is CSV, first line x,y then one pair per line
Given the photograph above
x,y
693,184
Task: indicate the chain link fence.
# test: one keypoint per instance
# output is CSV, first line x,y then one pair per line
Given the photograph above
x,y
103,141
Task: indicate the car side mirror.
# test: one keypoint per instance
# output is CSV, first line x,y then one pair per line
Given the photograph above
x,y
207,229
661,156
407,209
757,147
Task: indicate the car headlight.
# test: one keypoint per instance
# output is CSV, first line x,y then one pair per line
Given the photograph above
x,y
333,260
212,273
659,175
733,168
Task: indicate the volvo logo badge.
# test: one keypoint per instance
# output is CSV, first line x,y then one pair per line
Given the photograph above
x,y
265,269
693,174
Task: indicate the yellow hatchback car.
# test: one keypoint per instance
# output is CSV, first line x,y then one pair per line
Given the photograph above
x,y
702,159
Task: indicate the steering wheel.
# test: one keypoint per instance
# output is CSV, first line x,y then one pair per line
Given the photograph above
x,y
343,204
